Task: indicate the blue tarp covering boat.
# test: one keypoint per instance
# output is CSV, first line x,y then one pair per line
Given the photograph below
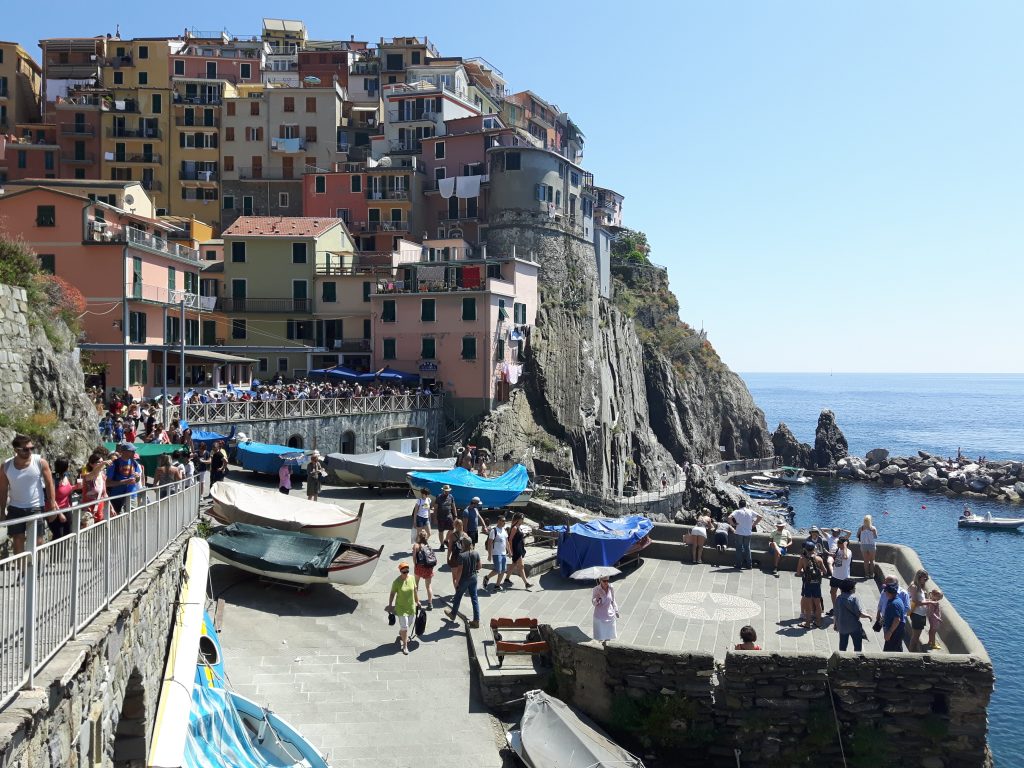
x,y
510,488
264,457
202,436
600,542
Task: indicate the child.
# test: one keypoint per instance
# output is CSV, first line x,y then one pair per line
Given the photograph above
x,y
934,618
749,637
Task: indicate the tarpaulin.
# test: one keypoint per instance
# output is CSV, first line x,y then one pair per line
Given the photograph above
x,y
599,542
495,492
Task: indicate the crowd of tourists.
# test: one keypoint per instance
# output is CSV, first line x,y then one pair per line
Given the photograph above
x,y
303,389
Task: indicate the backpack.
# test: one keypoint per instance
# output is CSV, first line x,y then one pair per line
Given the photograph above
x,y
812,571
425,556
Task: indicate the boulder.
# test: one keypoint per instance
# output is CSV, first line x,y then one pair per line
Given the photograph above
x,y
877,455
957,484
980,483
830,444
1019,488
793,452
891,471
924,454
930,480
1011,494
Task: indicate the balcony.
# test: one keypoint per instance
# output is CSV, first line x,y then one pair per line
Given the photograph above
x,y
133,133
116,61
137,157
387,226
105,232
73,158
362,263
79,101
227,304
401,116
209,99
351,345
77,129
400,147
268,174
159,294
151,185
387,194
198,175
190,122
364,68
288,146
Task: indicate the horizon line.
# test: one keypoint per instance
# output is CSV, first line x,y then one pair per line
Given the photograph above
x,y
892,373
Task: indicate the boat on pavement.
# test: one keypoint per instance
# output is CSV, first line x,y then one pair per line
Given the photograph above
x,y
382,467
267,458
293,556
987,523
240,503
511,489
552,734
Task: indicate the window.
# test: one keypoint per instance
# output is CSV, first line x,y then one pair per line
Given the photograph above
x,y
440,173
230,105
319,185
46,216
428,313
262,367
469,347
237,329
343,214
229,133
143,78
238,252
310,137
229,205
561,170
254,107
289,103
118,77
172,279
415,57
137,327
282,364
389,349
544,193
519,313
137,373
47,263
439,150
471,208
48,161
179,66
298,252
574,178
209,332
499,350
282,199
357,183
558,198
513,161
22,158
143,51
469,308
156,104
172,330
330,293
229,162
311,103
427,349
245,71
366,290
387,311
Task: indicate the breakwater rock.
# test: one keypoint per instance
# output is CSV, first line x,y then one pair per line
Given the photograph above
x,y
999,480
830,445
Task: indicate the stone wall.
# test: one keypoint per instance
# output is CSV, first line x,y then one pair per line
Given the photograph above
x,y
94,703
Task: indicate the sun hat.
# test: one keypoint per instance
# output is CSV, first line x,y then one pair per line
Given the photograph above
x,y
837,530
815,529
126,446
475,500
403,565
446,487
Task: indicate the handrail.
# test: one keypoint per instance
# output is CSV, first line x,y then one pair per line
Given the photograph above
x,y
266,410
57,588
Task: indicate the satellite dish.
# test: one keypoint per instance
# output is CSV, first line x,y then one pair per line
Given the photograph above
x,y
384,162
129,199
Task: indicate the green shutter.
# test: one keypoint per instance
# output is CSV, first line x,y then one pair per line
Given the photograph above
x,y
469,308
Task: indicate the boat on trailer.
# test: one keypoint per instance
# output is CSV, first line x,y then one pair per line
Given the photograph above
x,y
240,503
293,557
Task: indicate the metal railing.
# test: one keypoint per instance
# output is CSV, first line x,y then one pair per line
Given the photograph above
x,y
134,133
387,194
137,157
50,592
743,465
228,304
198,175
77,129
74,158
162,295
108,232
266,410
194,122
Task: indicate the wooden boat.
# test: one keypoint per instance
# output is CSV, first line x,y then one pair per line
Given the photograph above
x,y
240,503
992,523
552,734
292,556
382,467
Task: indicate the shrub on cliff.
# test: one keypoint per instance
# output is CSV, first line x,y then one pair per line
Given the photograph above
x,y
48,296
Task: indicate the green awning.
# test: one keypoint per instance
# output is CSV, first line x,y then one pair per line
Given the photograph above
x,y
149,454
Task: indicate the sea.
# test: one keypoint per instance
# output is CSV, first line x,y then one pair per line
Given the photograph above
x,y
979,415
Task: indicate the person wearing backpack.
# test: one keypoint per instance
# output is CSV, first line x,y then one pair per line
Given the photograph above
x,y
469,567
458,542
425,561
811,569
499,550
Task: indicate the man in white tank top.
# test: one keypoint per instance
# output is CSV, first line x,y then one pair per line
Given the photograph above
x,y
26,488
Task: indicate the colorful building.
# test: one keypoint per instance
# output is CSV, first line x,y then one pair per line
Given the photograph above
x,y
31,153
20,86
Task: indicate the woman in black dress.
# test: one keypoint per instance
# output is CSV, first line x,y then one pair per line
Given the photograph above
x,y
517,541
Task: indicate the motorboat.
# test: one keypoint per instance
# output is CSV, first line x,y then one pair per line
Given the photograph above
x,y
511,489
991,523
382,467
552,734
267,458
605,541
293,556
792,476
765,489
240,503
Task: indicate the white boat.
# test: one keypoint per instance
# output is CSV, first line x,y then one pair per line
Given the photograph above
x,y
381,467
792,475
293,556
240,503
991,523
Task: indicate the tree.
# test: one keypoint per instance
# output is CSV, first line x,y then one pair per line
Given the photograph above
x,y
631,245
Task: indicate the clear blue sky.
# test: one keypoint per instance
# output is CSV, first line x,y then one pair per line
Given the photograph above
x,y
832,185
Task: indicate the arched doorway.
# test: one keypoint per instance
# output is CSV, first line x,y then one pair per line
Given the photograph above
x,y
130,734
347,444
406,439
296,441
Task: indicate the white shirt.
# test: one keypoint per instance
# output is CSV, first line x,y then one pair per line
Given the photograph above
x,y
499,537
841,567
25,486
423,508
744,518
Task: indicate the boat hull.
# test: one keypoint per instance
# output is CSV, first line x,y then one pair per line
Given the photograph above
x,y
381,468
239,503
995,524
352,575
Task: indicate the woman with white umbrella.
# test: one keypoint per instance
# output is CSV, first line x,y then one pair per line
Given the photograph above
x,y
606,610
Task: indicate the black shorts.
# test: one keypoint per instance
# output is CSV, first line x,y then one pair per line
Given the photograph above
x,y
835,583
918,620
474,536
721,539
13,513
811,590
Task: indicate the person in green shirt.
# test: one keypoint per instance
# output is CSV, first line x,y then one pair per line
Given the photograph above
x,y
402,602
778,542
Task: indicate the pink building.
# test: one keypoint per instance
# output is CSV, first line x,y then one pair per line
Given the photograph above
x,y
31,153
133,277
458,317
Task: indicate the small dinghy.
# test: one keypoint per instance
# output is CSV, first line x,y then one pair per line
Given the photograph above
x,y
991,523
292,556
240,503
551,734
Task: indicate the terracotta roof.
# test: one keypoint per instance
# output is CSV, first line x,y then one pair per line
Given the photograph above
x,y
280,226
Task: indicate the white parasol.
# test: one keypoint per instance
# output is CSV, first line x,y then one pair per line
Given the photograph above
x,y
595,572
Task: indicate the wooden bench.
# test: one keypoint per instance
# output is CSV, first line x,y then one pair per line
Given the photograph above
x,y
523,647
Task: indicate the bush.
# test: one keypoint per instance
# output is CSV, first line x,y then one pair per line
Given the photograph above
x,y
48,296
38,425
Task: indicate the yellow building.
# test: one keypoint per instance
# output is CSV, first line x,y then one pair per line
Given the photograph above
x,y
20,84
268,309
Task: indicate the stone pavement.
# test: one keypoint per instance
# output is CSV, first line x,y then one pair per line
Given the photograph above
x,y
327,661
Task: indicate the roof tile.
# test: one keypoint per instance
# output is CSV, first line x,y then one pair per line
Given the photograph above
x,y
281,226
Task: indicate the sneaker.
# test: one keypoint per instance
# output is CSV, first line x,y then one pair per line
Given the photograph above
x,y
474,625
428,607
935,647
405,651
831,611
450,615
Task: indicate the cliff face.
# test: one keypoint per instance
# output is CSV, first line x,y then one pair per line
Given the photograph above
x,y
602,405
41,387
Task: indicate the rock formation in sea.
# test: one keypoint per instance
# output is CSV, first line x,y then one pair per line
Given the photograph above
x,y
792,452
829,442
618,391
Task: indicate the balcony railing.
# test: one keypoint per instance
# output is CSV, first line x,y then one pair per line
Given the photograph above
x,y
52,591
190,122
73,158
401,116
350,345
80,100
163,295
203,175
268,174
387,226
153,185
364,68
387,194
269,410
288,145
116,61
227,304
134,133
137,157
107,232
77,129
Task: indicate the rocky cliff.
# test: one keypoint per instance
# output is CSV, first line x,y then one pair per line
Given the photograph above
x,y
830,445
41,382
608,401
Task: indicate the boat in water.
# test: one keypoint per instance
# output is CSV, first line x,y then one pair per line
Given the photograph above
x,y
552,734
765,489
511,489
240,503
991,523
791,476
292,556
382,467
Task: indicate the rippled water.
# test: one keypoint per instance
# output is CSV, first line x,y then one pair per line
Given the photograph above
x,y
938,413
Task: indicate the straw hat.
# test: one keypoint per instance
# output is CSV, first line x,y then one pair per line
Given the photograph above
x,y
446,488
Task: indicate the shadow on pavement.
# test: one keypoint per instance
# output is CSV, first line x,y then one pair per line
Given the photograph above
x,y
247,590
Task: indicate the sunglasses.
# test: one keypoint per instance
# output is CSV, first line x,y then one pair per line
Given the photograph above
x,y
27,448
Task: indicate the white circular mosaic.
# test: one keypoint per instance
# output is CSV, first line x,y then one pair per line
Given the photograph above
x,y
709,606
